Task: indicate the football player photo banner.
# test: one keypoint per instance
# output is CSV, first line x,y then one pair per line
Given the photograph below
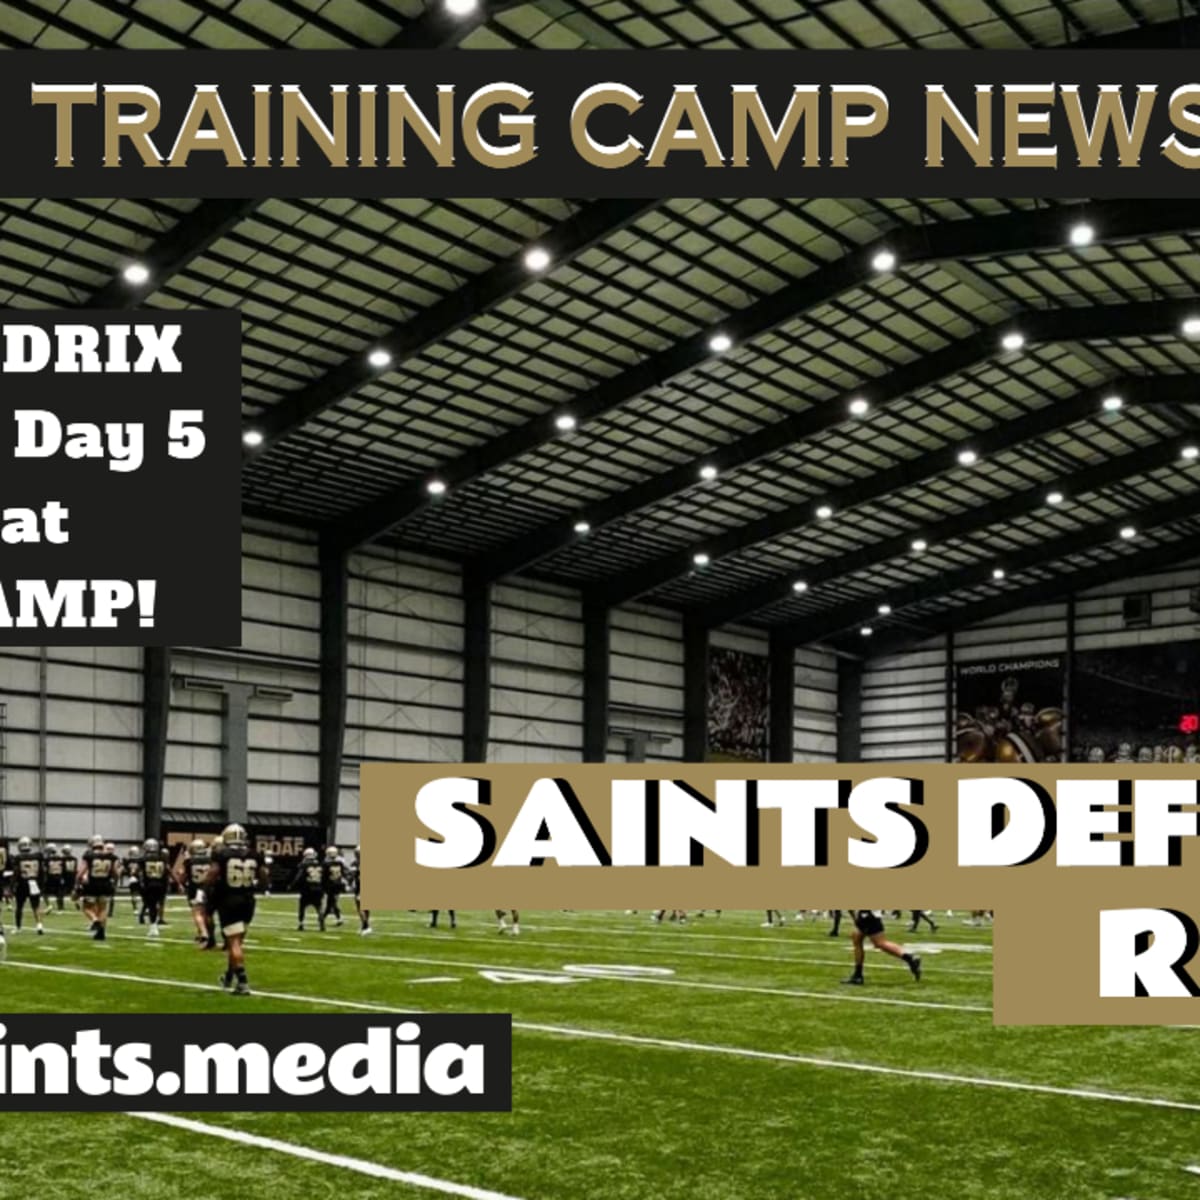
x,y
738,706
1010,710
1137,704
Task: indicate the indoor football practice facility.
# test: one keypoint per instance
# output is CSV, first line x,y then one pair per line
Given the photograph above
x,y
558,481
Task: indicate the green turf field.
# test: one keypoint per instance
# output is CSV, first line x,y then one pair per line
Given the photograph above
x,y
736,1067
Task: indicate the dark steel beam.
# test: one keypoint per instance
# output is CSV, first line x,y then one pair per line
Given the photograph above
x,y
334,677
186,240
596,642
781,660
849,710
695,692
156,711
974,237
1153,558
1048,325
821,626
1142,390
591,224
477,666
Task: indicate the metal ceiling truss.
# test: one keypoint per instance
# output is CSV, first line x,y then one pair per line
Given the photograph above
x,y
981,237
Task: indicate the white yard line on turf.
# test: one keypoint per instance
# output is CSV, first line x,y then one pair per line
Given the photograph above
x,y
631,1039
423,935
361,1166
852,997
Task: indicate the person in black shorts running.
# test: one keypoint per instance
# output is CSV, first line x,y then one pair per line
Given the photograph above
x,y
869,924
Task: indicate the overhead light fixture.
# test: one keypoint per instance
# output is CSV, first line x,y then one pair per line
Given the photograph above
x,y
1055,498
436,487
136,274
866,631
859,407
537,258
564,422
379,358
998,573
1082,234
582,527
1012,341
708,472
884,260
885,610
719,343
1191,327
252,437
1112,404
461,8
1128,532
1190,452
800,587
824,512
920,545
701,559
967,458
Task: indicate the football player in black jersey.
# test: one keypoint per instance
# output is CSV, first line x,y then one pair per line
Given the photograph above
x,y
97,883
154,874
869,924
131,871
191,871
28,881
53,866
232,881
3,872
364,914
310,875
70,873
333,883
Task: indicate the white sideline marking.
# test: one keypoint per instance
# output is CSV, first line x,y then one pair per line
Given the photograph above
x,y
437,979
548,975
631,1039
361,1166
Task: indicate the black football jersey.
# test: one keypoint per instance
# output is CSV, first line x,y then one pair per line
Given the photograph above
x,y
312,876
197,867
27,866
101,864
70,867
335,873
154,868
237,868
55,866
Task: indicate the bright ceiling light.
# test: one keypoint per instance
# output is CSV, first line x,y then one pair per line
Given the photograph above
x,y
1013,341
537,258
1055,498
967,458
564,422
701,559
379,358
461,8
1112,404
824,512
1082,234
800,587
1128,532
885,610
859,407
866,631
582,527
1191,452
252,437
884,260
1191,327
719,343
998,573
136,273
436,487
920,544
708,472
